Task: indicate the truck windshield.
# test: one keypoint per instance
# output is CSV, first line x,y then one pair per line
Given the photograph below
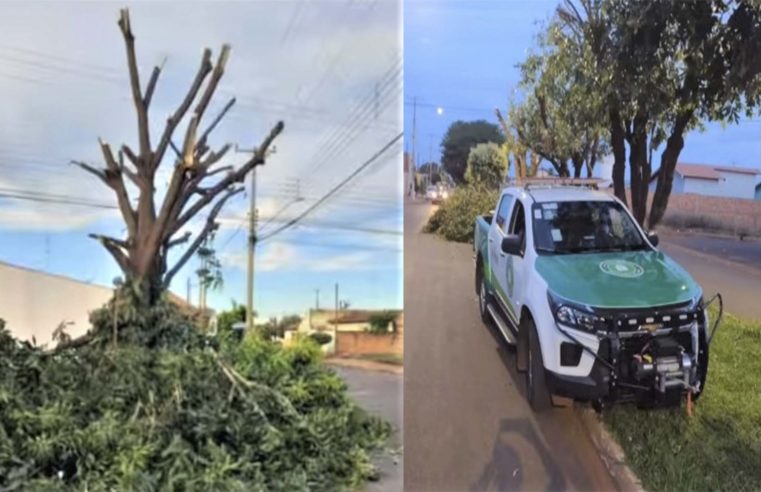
x,y
584,227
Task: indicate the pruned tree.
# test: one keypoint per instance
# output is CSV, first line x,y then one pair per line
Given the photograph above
x,y
526,162
662,68
199,182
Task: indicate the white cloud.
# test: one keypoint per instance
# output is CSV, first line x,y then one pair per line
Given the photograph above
x,y
281,256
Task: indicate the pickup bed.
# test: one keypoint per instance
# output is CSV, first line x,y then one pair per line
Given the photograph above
x,y
596,312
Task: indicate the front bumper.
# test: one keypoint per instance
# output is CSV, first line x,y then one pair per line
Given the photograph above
x,y
632,364
583,388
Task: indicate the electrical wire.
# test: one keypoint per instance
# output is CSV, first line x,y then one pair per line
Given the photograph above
x,y
333,191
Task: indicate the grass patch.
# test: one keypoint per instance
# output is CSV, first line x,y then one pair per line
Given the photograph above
x,y
719,447
394,359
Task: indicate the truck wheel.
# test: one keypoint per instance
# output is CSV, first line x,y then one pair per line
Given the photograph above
x,y
536,386
483,299
521,348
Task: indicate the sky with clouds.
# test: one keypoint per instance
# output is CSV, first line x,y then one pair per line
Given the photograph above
x,y
331,70
462,57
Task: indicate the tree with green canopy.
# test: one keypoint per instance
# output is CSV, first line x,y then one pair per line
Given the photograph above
x,y
487,165
661,68
459,139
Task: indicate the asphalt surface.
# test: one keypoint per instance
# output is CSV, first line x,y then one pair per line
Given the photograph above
x,y
467,423
729,266
380,393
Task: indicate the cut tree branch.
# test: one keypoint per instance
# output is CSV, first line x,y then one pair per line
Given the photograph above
x,y
175,119
232,178
134,77
211,226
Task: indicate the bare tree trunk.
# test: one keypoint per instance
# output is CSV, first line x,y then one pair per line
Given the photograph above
x,y
152,233
669,158
619,154
637,139
578,164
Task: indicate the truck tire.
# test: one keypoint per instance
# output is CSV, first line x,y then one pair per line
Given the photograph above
x,y
521,348
483,295
536,386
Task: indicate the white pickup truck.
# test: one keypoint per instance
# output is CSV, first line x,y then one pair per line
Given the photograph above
x,y
595,311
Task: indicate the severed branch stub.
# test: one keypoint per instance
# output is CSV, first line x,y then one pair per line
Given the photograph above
x,y
196,180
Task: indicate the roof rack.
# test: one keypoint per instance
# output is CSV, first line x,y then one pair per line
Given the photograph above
x,y
534,183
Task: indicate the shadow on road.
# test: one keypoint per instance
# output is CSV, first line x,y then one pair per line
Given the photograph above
x,y
517,438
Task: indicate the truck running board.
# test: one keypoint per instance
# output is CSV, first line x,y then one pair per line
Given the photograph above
x,y
502,324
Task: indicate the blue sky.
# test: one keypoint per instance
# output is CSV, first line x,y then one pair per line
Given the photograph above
x,y
330,70
462,56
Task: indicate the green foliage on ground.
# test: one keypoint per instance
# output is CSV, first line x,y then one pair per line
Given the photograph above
x,y
168,411
487,165
455,219
719,447
462,136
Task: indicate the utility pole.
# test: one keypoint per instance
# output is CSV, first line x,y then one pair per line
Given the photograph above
x,y
251,249
251,242
188,294
335,317
317,299
414,133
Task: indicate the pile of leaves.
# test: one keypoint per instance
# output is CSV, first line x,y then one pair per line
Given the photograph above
x,y
172,411
455,218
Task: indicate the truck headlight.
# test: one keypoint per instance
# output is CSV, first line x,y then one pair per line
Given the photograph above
x,y
574,315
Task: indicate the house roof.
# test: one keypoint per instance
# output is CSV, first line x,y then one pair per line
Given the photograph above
x,y
356,316
706,171
737,169
697,171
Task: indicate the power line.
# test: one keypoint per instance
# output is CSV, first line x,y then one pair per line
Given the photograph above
x,y
334,190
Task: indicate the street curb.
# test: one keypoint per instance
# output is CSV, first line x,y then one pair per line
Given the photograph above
x,y
610,451
365,365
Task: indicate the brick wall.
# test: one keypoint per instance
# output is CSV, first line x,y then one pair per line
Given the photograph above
x,y
736,214
360,343
733,215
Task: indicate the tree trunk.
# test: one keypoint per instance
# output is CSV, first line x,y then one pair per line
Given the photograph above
x,y
578,164
619,154
669,158
637,162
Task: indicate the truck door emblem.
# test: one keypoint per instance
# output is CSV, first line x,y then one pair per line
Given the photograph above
x,y
621,268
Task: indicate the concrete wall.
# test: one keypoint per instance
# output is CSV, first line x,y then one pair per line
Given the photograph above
x,y
731,185
33,303
738,185
708,187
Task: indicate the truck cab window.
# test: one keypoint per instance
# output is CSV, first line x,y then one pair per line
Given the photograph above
x,y
518,223
504,207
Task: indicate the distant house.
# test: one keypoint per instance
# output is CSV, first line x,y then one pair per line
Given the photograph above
x,y
707,180
347,321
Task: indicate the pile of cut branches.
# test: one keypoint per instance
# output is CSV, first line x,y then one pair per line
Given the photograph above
x,y
180,415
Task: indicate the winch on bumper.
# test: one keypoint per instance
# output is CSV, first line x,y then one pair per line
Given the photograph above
x,y
648,356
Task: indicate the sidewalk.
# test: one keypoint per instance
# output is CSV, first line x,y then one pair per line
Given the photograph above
x,y
367,365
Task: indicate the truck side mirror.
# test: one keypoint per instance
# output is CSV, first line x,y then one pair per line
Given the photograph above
x,y
652,236
511,244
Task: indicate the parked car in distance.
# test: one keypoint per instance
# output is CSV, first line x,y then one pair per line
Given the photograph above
x,y
436,193
595,311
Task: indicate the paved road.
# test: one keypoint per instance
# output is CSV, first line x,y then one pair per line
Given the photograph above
x,y
729,266
380,393
467,423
